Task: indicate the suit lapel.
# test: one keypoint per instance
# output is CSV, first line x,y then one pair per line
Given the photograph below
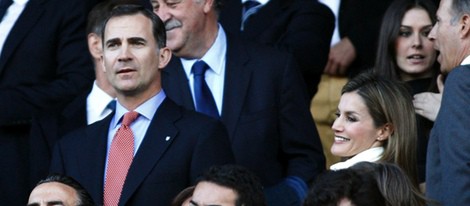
x,y
25,22
93,159
176,84
237,77
158,138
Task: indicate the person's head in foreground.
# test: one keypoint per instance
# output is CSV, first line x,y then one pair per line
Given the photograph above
x,y
59,190
228,185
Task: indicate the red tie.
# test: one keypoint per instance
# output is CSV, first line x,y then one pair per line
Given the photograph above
x,y
119,160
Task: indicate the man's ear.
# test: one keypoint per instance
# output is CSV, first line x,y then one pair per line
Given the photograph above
x,y
385,131
94,45
165,56
208,4
465,26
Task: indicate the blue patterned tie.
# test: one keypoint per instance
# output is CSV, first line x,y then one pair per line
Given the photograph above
x,y
249,7
204,100
4,4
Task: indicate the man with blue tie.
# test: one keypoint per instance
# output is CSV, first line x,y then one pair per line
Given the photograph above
x,y
258,95
149,149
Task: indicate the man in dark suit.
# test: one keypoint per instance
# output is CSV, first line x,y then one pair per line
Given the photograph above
x,y
303,27
88,107
257,91
448,156
43,61
171,146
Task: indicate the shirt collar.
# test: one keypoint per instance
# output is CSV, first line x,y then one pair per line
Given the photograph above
x,y
262,2
146,109
466,60
21,2
213,56
98,98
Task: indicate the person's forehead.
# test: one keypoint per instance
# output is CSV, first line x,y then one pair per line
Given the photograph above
x,y
131,25
207,193
53,191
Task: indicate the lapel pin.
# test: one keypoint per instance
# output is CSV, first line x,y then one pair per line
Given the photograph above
x,y
167,138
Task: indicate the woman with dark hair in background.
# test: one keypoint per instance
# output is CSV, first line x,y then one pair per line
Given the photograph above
x,y
406,54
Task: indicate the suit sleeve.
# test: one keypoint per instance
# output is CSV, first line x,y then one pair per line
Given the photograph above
x,y
299,137
59,66
307,36
454,141
213,148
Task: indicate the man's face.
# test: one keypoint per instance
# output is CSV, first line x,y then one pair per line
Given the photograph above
x,y
131,56
185,24
210,194
53,193
445,35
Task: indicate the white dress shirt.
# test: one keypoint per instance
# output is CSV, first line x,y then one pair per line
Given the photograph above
x,y
261,2
96,103
334,7
466,61
12,14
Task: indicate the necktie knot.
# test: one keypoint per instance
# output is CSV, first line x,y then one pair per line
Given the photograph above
x,y
199,68
129,117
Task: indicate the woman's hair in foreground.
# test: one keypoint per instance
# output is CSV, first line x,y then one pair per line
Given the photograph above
x,y
335,185
393,183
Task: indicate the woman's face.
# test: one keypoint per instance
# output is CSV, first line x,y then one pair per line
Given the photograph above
x,y
415,53
354,127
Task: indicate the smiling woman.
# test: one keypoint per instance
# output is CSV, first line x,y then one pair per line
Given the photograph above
x,y
375,123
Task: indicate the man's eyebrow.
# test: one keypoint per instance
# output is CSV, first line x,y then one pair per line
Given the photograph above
x,y
55,203
50,203
113,40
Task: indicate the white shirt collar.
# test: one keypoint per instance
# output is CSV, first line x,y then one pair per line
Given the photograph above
x,y
212,56
371,155
97,101
466,60
262,2
21,2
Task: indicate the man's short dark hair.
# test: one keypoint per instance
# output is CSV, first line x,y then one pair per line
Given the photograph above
x,y
84,198
158,27
100,12
244,182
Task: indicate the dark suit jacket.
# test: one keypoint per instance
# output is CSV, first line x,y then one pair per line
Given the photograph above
x,y
303,27
361,24
48,126
161,168
448,158
264,110
44,60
